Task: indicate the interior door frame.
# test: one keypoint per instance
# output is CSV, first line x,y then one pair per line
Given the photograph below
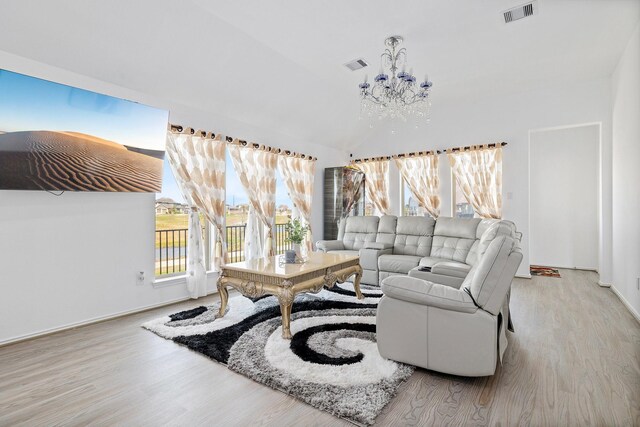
x,y
600,187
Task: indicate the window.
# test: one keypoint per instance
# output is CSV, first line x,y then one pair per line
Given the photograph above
x,y
238,212
284,211
410,206
172,223
461,208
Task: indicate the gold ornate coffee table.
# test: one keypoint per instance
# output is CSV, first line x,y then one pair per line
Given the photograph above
x,y
266,276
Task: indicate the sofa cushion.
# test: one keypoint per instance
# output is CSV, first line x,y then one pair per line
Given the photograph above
x,y
429,261
413,235
457,227
329,245
398,263
451,268
387,230
431,294
345,252
451,248
387,224
358,230
452,281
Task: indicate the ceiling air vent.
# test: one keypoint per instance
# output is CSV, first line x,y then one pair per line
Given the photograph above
x,y
356,64
520,12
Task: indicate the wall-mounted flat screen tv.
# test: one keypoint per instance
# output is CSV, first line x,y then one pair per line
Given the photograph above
x,y
55,137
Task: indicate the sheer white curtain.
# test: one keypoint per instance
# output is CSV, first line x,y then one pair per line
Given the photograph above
x,y
196,271
376,176
478,172
298,176
198,164
421,175
256,169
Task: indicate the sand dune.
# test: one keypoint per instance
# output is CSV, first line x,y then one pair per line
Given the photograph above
x,y
46,160
94,139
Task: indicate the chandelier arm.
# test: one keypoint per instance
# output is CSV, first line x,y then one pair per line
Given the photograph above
x,y
396,94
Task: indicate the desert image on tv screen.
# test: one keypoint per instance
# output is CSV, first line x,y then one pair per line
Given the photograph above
x,y
60,138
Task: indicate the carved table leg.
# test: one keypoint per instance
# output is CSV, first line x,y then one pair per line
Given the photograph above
x,y
356,283
224,295
285,297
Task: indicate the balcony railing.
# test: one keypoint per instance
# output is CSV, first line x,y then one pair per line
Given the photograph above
x,y
171,247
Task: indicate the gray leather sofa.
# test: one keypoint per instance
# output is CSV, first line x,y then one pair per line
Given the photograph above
x,y
455,331
400,246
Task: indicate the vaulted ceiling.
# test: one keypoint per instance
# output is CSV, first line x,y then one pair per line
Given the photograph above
x,y
279,63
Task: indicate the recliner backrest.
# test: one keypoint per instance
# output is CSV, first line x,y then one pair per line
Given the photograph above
x,y
490,279
453,238
359,230
413,235
488,229
387,229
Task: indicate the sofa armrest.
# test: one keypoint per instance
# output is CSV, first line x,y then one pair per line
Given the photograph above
x,y
330,245
369,257
377,245
422,292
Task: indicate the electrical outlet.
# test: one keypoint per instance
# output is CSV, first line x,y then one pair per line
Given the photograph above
x,y
140,278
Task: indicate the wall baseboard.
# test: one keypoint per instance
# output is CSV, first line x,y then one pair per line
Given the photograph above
x,y
524,276
626,303
87,322
605,285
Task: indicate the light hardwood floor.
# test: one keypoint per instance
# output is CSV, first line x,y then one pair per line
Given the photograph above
x,y
574,360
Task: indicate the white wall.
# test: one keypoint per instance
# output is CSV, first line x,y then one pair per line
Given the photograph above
x,y
509,117
626,173
70,259
564,197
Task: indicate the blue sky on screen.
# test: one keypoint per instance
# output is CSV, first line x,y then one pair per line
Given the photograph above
x,y
235,192
28,103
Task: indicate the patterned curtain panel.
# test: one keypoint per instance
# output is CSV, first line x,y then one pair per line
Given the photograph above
x,y
352,180
196,271
377,183
421,175
256,169
478,172
198,164
298,176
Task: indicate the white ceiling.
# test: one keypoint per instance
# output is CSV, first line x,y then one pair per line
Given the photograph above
x,y
279,63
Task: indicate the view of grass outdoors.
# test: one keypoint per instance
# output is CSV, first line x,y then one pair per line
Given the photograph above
x,y
172,217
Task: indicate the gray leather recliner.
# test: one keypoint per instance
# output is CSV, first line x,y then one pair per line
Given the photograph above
x,y
455,331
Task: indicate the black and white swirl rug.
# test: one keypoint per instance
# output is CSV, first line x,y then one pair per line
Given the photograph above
x,y
332,361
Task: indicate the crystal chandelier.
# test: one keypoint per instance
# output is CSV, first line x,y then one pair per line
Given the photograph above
x,y
395,95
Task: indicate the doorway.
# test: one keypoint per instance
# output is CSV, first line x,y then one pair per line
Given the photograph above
x,y
564,197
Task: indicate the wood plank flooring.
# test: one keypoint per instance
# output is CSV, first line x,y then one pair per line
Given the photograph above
x,y
574,360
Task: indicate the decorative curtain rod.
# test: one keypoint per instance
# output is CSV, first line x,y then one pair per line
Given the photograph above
x,y
179,129
397,156
469,147
427,153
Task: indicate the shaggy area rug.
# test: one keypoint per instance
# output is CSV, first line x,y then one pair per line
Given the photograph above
x,y
539,270
332,361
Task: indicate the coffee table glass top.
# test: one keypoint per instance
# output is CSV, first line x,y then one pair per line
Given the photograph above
x,y
271,266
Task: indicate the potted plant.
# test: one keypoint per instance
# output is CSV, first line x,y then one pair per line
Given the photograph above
x,y
296,232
